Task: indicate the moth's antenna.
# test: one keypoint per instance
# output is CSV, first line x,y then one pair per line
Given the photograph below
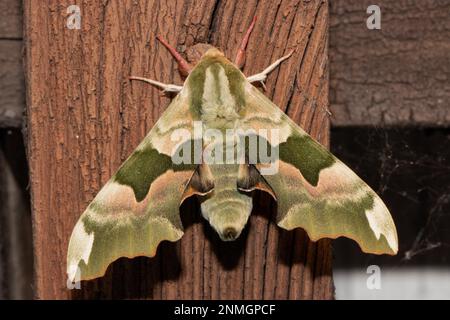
x,y
240,56
184,66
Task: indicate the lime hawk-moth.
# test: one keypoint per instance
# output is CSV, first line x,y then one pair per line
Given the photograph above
x,y
209,143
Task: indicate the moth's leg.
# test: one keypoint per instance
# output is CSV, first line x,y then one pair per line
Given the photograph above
x,y
183,65
240,56
165,87
261,77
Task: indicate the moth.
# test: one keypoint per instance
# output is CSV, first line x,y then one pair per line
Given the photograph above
x,y
139,206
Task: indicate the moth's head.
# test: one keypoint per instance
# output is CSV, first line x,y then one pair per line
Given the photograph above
x,y
213,53
201,51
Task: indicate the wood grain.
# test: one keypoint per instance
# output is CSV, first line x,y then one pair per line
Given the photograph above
x,y
85,118
398,75
10,19
12,88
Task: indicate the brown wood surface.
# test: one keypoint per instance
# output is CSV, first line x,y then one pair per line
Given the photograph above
x,y
10,19
85,118
12,86
398,75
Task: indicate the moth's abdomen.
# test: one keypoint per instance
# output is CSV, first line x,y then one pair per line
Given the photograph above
x,y
226,208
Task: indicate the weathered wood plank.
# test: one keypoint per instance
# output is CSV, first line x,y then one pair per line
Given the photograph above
x,y
10,19
393,76
12,88
85,118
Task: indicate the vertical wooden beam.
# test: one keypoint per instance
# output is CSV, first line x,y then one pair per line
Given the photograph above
x,y
84,119
12,89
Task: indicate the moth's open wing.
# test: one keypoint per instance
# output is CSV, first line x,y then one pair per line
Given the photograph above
x,y
316,191
139,206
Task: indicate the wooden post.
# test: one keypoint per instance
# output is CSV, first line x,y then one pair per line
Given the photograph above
x,y
12,92
85,118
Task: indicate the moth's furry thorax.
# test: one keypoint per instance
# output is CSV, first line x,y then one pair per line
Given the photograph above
x,y
215,88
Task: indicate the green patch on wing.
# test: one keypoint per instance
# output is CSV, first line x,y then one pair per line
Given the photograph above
x,y
144,166
257,148
195,82
329,218
134,236
306,155
326,211
141,169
